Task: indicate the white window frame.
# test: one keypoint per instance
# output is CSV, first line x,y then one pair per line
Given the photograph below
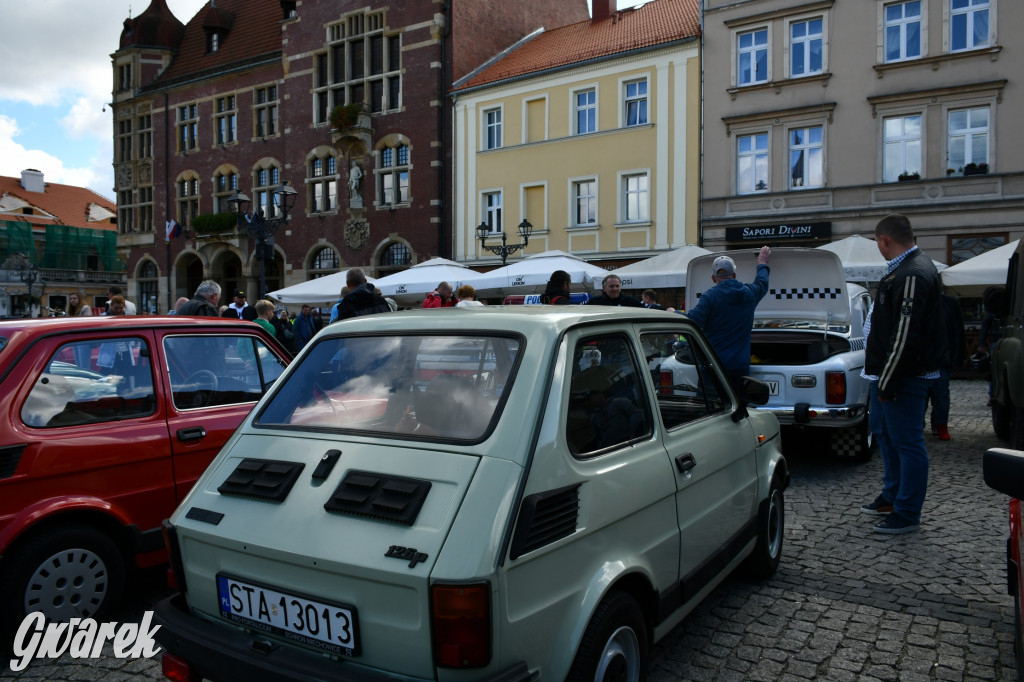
x,y
576,109
575,197
968,133
805,43
393,177
491,123
322,181
642,194
754,153
492,203
902,144
804,148
752,50
969,13
643,101
901,24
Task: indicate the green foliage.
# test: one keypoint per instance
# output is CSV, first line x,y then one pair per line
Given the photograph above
x,y
215,223
345,115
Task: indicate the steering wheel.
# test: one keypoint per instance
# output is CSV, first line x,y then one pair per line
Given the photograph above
x,y
204,380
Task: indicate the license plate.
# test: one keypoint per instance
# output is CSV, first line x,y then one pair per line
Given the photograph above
x,y
773,387
324,625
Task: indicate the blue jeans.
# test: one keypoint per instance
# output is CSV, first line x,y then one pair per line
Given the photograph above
x,y
940,398
898,427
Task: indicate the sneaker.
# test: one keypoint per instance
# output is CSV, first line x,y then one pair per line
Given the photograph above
x,y
943,432
879,507
894,524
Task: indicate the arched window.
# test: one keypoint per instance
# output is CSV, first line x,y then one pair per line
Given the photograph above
x,y
392,172
225,184
265,179
188,197
394,258
322,182
325,262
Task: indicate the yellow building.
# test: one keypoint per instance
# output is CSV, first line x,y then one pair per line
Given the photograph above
x,y
590,132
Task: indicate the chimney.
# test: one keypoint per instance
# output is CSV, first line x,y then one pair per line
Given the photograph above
x,y
602,9
32,180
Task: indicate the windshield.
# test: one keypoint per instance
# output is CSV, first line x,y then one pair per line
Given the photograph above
x,y
433,387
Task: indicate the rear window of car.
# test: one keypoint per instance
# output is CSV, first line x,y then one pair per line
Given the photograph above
x,y
433,387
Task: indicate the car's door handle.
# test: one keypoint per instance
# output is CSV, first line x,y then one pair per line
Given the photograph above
x,y
190,434
685,462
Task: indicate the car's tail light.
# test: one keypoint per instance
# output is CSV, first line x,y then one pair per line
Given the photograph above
x,y
461,617
835,388
665,381
176,572
177,669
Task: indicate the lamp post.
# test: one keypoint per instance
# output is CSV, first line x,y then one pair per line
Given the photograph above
x,y
483,231
29,275
260,228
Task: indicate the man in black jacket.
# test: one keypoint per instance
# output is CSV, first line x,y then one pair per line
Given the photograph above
x,y
906,347
362,298
611,294
204,303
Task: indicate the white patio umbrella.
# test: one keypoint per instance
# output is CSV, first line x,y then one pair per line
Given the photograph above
x,y
862,262
320,290
531,275
409,287
974,275
660,272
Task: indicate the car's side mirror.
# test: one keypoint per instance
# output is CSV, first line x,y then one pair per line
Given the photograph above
x,y
1003,469
755,391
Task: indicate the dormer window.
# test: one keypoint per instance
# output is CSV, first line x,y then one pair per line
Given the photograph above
x,y
213,40
288,10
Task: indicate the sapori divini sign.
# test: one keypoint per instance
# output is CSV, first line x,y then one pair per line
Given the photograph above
x,y
786,231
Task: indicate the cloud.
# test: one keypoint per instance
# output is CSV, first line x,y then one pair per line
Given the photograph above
x,y
14,158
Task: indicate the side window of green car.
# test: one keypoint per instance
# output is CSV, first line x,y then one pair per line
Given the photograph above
x,y
608,403
688,387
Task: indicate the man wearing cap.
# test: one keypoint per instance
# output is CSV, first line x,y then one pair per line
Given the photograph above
x,y
239,308
725,312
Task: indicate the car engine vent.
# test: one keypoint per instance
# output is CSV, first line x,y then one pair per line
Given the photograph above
x,y
544,518
9,458
261,479
377,496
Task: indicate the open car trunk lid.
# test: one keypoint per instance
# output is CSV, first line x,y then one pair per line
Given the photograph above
x,y
340,534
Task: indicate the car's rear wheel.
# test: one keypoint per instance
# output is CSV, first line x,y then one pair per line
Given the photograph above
x,y
614,646
853,442
71,572
1002,421
771,526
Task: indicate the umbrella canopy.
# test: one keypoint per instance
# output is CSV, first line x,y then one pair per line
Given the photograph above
x,y
861,259
321,290
409,287
974,275
531,275
662,271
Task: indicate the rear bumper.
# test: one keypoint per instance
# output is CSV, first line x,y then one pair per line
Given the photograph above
x,y
827,416
221,653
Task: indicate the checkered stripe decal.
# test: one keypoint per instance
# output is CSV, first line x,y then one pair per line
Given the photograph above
x,y
805,292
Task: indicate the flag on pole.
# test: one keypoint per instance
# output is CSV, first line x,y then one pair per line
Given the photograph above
x,y
173,229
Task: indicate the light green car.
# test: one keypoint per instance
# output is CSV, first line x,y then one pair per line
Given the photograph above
x,y
473,494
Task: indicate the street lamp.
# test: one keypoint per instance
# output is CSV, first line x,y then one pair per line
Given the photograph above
x,y
262,229
29,275
483,231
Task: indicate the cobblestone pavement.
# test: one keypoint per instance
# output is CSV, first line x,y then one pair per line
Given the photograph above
x,y
846,603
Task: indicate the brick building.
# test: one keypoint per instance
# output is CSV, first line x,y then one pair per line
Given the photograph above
x,y
240,99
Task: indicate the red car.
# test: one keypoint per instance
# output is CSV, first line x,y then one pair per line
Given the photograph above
x,y
1004,471
105,424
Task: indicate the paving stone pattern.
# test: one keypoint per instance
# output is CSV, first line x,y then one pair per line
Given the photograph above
x,y
846,603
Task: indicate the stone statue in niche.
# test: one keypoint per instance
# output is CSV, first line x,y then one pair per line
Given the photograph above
x,y
355,181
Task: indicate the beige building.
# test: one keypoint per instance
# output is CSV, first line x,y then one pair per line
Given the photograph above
x,y
822,117
590,132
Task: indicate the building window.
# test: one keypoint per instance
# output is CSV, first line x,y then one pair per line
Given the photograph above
x,y
635,97
145,137
146,209
213,40
264,182
393,175
125,211
805,47
265,111
124,77
965,248
124,140
635,201
902,31
188,198
752,48
394,258
805,157
148,288
226,120
968,137
188,127
322,183
225,184
492,129
902,146
325,262
362,64
584,199
968,24
752,163
585,106
492,211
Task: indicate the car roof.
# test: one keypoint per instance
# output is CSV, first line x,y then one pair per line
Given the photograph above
x,y
47,325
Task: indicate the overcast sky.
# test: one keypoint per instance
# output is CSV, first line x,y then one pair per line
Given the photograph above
x,y
56,80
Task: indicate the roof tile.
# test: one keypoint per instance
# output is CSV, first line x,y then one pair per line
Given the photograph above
x,y
68,204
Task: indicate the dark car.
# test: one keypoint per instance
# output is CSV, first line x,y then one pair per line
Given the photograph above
x,y
1004,471
105,424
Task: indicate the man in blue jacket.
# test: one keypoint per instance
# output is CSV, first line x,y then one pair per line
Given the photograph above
x,y
725,313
